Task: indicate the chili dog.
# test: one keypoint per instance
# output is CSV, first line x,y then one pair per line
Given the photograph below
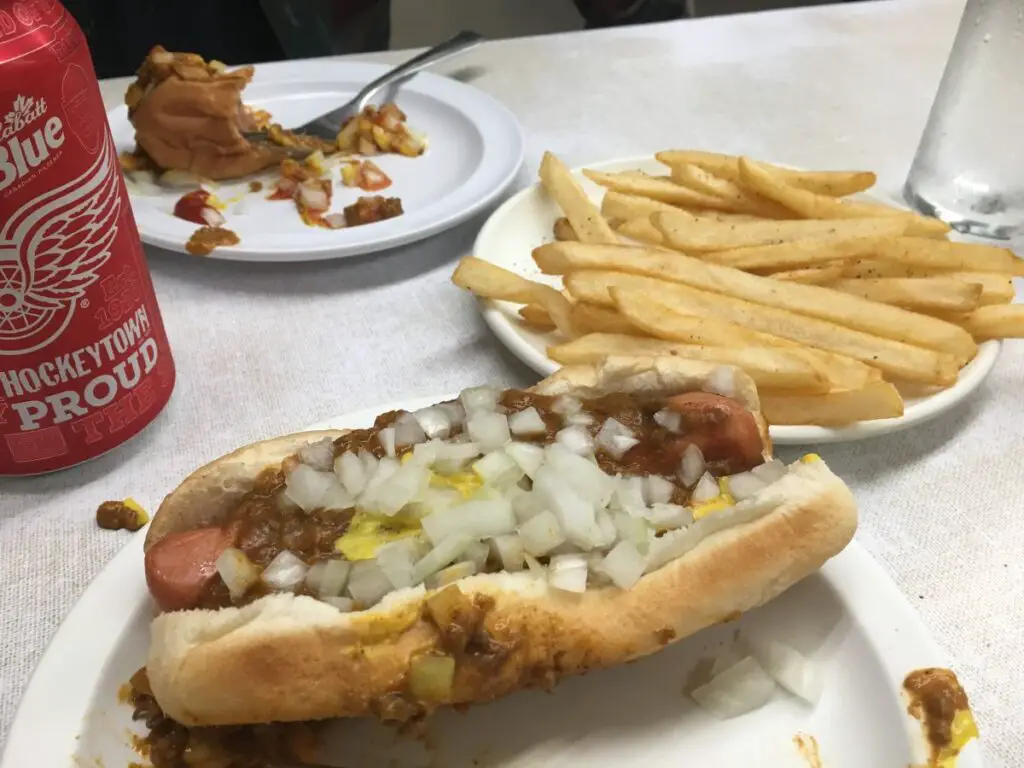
x,y
459,553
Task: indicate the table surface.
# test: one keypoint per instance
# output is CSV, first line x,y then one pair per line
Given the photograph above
x,y
264,349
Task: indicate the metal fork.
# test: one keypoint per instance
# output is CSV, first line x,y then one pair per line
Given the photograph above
x,y
327,125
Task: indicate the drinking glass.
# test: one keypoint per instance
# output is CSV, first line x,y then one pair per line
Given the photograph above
x,y
969,167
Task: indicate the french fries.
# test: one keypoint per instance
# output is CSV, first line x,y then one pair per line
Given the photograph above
x,y
838,309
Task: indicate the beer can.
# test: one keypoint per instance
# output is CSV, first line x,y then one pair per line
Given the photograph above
x,y
84,359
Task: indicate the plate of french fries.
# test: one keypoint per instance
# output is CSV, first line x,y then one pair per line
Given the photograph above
x,y
854,317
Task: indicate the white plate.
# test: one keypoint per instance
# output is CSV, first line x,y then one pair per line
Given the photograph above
x,y
475,147
850,618
525,221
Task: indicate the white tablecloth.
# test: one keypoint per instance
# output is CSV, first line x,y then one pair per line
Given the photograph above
x,y
263,349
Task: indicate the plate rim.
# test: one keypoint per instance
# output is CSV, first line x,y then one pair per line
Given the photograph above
x,y
81,646
490,182
918,412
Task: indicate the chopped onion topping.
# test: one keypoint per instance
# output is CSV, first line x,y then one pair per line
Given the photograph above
x,y
581,419
692,466
332,579
670,420
534,565
367,583
658,490
509,550
790,668
568,573
307,487
526,505
337,498
631,529
387,440
606,530
529,457
435,421
351,471
663,516
624,565
566,405
488,429
408,431
770,471
318,455
612,428
453,457
527,422
285,572
498,469
238,572
456,413
541,534
477,519
397,559
707,489
574,513
741,688
478,399
445,553
576,439
451,574
629,496
212,216
582,474
744,485
369,464
343,604
721,381
399,488
477,553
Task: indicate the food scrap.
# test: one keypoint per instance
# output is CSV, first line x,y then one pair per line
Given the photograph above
x,y
379,130
205,239
940,703
198,206
808,748
371,208
127,515
364,174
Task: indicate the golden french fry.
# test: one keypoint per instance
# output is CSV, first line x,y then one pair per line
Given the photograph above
x,y
877,400
892,357
641,230
832,183
812,275
814,206
996,321
920,294
537,317
594,318
736,198
923,253
646,311
995,289
796,254
492,282
814,301
618,205
586,220
563,229
688,233
663,190
772,367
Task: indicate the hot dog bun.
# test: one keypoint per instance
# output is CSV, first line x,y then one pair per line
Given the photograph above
x,y
286,657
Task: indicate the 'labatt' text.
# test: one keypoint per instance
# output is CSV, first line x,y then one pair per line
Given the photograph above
x,y
129,347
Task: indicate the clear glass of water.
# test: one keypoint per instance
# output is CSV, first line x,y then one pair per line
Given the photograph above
x,y
969,167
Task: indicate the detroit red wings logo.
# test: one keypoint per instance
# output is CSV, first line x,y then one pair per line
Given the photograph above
x,y
50,252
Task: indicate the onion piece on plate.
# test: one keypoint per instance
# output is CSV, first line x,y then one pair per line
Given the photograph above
x,y
741,688
790,668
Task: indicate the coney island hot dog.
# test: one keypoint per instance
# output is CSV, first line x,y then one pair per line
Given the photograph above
x,y
496,542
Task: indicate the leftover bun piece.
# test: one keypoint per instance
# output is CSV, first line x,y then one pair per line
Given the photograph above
x,y
497,542
189,116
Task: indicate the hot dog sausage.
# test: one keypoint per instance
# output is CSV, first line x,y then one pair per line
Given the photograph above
x,y
722,428
180,566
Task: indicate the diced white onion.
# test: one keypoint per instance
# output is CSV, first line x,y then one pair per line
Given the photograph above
x,y
212,216
670,420
453,457
387,441
238,572
606,529
789,668
624,565
706,489
426,454
529,457
343,604
541,534
451,574
433,500
568,573
771,471
488,429
307,487
619,444
526,504
351,471
575,514
332,579
658,490
741,688
631,529
663,516
629,496
534,565
581,419
313,197
369,464
576,439
744,485
721,381
285,572
611,429
314,574
434,421
337,498
397,559
392,494
367,583
477,553
509,550
408,431
692,465
318,455
456,413
582,474
498,469
445,553
527,422
478,399
566,405
477,519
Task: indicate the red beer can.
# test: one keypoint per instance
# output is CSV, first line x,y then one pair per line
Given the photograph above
x,y
84,359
